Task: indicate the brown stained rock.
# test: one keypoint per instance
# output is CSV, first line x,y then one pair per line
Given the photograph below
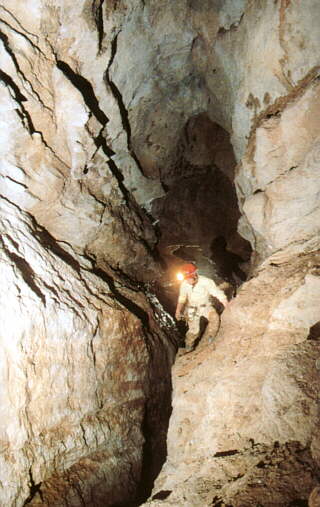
x,y
256,387
95,99
90,372
250,477
314,498
284,152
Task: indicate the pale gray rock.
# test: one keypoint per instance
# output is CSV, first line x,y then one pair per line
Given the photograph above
x,y
74,375
285,153
106,108
61,144
258,385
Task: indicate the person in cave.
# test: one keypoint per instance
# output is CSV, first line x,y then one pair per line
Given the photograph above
x,y
200,302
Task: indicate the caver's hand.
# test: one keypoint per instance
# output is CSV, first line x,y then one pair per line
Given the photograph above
x,y
178,315
179,311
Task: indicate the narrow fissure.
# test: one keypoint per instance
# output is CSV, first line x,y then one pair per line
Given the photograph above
x,y
122,108
86,89
25,271
203,120
99,23
35,489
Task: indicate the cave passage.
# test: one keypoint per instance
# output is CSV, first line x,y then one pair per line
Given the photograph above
x,y
198,216
138,136
197,222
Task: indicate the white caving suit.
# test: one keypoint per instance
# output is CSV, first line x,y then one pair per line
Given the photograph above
x,y
196,301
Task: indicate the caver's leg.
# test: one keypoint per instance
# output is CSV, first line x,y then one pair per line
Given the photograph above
x,y
193,332
213,325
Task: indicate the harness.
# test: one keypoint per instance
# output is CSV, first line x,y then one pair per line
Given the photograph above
x,y
192,310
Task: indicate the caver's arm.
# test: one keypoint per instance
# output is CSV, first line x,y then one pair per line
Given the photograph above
x,y
182,300
217,293
179,310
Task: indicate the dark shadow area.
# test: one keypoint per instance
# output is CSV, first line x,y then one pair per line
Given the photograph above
x,y
154,428
228,263
162,495
153,457
314,332
156,420
198,217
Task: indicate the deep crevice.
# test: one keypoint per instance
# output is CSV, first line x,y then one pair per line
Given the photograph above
x,y
122,108
25,270
101,142
127,303
6,44
91,101
20,98
8,81
34,489
86,89
154,429
7,47
147,477
98,16
50,243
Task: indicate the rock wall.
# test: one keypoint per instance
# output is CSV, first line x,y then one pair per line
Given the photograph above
x,y
244,428
245,424
60,161
86,366
107,109
84,372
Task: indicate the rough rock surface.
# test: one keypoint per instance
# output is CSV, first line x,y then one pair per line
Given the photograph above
x,y
111,112
244,428
245,409
283,155
84,374
86,368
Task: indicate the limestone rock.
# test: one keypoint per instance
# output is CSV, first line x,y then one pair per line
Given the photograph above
x,y
257,387
285,153
75,375
57,160
112,111
85,363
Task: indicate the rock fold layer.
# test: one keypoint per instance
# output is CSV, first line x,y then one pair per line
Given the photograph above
x,y
94,115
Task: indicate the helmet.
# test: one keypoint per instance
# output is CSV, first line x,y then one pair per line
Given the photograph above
x,y
188,270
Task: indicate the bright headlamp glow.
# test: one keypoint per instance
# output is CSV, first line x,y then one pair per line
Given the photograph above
x,y
180,277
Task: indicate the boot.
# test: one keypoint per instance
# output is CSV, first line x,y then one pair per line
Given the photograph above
x,y
190,341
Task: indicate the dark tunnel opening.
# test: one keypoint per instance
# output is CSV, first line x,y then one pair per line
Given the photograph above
x,y
197,221
198,216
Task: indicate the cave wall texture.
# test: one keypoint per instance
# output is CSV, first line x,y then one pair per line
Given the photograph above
x,y
131,130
